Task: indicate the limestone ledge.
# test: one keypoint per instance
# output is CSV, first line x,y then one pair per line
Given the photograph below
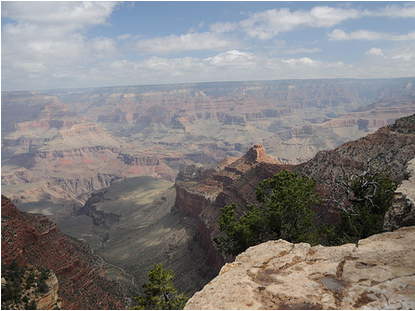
x,y
378,274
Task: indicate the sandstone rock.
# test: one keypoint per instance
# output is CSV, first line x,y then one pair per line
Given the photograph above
x,y
378,274
50,299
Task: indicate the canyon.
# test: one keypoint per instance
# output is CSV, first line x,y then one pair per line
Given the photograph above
x,y
140,220
59,146
140,173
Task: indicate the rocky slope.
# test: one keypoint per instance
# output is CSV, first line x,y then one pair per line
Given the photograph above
x,y
378,274
392,147
34,241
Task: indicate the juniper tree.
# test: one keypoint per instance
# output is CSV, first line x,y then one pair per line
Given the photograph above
x,y
284,212
160,292
368,196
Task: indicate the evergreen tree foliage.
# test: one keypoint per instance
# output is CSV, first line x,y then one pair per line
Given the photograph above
x,y
14,294
160,292
12,291
284,212
370,195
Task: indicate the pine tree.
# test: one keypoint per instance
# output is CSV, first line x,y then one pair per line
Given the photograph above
x,y
160,292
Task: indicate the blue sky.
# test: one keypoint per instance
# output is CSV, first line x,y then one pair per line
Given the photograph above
x,y
49,45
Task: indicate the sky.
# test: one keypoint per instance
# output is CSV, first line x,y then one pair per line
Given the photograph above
x,y
54,45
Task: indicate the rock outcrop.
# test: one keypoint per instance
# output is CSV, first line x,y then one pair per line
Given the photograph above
x,y
51,298
402,212
201,195
34,241
378,274
23,286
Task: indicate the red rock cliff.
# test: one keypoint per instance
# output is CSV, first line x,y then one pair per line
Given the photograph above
x,y
32,239
201,193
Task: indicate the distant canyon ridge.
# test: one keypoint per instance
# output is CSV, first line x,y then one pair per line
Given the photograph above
x,y
60,146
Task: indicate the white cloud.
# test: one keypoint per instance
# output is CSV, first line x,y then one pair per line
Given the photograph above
x,y
186,42
124,37
200,25
408,37
300,49
29,67
223,27
70,15
324,16
121,64
46,40
48,46
340,35
304,61
267,24
374,52
307,68
404,57
405,11
232,58
102,47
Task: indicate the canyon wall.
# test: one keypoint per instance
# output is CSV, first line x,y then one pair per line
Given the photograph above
x,y
33,240
203,195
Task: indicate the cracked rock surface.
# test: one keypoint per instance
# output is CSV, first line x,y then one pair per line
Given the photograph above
x,y
378,274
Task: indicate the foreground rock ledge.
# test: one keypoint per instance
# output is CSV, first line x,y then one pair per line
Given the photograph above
x,y
378,274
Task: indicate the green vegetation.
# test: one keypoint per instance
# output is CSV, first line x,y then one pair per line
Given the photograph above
x,y
160,292
22,285
44,275
11,292
285,212
369,196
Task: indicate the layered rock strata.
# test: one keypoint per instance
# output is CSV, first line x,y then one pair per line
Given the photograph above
x,y
160,129
51,299
378,274
200,194
32,240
